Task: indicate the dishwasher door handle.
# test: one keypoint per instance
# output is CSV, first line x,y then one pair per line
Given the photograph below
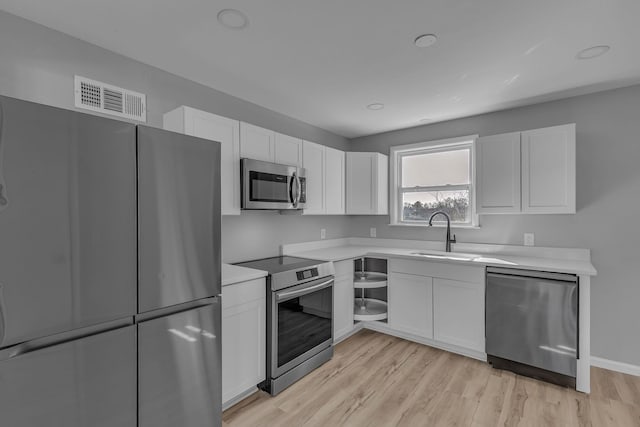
x,y
514,273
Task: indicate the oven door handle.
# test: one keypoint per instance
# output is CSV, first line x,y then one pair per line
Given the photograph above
x,y
280,296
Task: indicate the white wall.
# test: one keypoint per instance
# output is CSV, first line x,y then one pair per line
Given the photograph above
x,y
38,64
608,203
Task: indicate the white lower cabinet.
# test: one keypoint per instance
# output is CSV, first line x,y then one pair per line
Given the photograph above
x,y
458,313
442,303
343,299
243,338
409,305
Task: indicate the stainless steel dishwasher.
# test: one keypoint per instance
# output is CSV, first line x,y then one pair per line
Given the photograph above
x,y
532,323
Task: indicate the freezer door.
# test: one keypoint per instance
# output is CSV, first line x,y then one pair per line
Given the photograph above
x,y
533,321
67,220
84,382
179,218
179,365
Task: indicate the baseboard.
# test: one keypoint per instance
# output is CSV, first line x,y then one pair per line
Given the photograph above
x,y
356,328
228,404
385,329
612,365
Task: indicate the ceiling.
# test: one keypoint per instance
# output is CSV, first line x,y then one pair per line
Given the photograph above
x,y
324,61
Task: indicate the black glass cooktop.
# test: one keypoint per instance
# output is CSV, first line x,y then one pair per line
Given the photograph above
x,y
279,264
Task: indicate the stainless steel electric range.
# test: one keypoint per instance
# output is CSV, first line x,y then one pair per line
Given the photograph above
x,y
299,317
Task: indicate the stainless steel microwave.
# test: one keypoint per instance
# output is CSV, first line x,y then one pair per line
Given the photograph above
x,y
272,186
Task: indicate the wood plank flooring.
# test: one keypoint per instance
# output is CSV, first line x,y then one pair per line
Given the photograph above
x,y
379,380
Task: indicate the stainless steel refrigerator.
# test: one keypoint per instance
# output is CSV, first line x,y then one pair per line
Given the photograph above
x,y
109,272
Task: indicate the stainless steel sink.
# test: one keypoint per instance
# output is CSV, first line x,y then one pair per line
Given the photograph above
x,y
453,256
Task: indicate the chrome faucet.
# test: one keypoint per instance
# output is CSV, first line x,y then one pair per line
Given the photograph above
x,y
449,240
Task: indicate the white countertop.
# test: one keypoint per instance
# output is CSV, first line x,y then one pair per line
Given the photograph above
x,y
235,274
344,250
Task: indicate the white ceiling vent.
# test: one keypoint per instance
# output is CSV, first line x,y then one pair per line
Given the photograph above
x,y
103,98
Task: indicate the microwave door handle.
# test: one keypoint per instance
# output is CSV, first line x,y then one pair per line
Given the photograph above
x,y
291,196
298,189
295,198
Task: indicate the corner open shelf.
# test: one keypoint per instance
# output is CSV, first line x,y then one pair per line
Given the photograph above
x,y
368,308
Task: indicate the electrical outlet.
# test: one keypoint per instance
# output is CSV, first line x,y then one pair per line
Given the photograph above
x,y
372,232
323,233
529,239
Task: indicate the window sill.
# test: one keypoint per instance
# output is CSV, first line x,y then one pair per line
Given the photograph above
x,y
453,226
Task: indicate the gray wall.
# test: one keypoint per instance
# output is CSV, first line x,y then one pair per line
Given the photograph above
x,y
608,202
38,64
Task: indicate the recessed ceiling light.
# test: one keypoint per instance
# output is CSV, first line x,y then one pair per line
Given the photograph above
x,y
425,120
425,40
593,52
375,106
233,19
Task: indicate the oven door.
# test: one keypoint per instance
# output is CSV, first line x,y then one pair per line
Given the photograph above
x,y
301,323
269,185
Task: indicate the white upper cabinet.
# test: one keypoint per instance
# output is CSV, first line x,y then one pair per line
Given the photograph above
x,y
202,124
325,173
314,165
334,181
367,184
527,172
498,178
549,170
288,150
257,143
263,144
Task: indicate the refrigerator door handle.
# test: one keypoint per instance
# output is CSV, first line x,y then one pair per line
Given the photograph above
x,y
179,308
40,343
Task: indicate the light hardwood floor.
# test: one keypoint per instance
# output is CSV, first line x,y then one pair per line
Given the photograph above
x,y
379,380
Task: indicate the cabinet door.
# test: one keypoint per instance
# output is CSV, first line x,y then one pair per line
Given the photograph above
x,y
458,313
256,143
334,183
288,150
343,299
498,173
549,170
360,183
314,165
243,347
381,184
227,133
410,304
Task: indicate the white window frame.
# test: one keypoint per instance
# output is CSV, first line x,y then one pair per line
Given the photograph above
x,y
395,175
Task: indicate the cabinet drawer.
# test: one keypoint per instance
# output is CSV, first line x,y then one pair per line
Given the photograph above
x,y
240,293
464,273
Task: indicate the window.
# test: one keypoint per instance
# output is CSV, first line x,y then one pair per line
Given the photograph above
x,y
433,176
